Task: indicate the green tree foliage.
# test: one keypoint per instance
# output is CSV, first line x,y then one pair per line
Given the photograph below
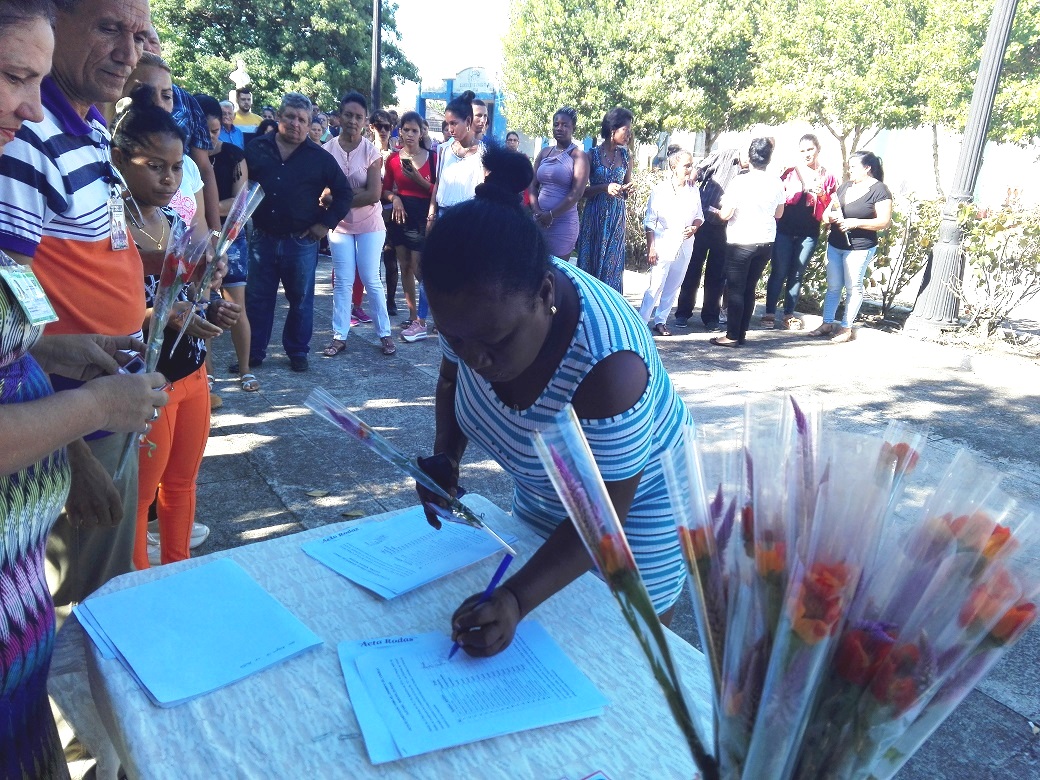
x,y
318,47
565,53
849,66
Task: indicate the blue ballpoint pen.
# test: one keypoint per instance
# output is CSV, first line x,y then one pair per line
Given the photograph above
x,y
486,595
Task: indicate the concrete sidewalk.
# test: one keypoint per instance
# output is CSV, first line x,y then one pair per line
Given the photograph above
x,y
267,452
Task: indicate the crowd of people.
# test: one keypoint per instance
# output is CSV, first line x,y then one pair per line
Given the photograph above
x,y
104,157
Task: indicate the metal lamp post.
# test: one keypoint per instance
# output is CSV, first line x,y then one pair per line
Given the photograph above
x,y
377,27
938,308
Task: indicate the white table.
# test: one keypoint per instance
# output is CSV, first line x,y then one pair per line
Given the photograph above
x,y
295,720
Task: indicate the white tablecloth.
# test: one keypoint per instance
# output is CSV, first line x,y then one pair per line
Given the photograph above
x,y
295,720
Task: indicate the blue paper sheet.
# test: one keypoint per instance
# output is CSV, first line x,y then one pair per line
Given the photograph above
x,y
196,631
402,553
409,699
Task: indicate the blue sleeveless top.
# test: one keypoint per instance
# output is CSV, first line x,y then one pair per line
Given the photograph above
x,y
622,445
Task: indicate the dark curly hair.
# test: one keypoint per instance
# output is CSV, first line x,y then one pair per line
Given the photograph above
x,y
613,120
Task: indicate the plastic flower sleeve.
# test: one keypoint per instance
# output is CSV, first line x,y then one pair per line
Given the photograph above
x,y
569,463
853,493
699,520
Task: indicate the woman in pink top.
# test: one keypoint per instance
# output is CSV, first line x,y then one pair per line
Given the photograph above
x,y
357,241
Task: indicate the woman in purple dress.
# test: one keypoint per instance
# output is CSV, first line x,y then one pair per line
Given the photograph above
x,y
561,174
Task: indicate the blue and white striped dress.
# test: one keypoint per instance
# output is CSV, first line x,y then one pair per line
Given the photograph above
x,y
623,445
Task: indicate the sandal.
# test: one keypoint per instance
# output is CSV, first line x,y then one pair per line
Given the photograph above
x,y
334,347
823,330
249,383
842,336
724,341
768,320
389,348
210,380
660,329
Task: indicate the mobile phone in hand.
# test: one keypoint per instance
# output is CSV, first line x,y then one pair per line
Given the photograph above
x,y
135,366
407,165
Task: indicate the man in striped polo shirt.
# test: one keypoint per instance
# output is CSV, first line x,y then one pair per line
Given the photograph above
x,y
55,187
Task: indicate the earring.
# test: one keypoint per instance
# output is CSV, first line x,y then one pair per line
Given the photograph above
x,y
552,309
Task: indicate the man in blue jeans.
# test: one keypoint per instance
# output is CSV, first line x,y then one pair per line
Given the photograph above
x,y
288,224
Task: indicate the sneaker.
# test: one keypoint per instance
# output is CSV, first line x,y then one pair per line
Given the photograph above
x,y
360,314
680,322
298,363
414,332
354,321
154,555
199,534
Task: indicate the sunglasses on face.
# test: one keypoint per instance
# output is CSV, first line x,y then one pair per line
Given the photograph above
x,y
381,127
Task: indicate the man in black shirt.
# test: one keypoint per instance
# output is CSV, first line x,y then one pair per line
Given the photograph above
x,y
287,227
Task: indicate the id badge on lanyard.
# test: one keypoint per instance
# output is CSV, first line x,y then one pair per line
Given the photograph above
x,y
27,290
117,220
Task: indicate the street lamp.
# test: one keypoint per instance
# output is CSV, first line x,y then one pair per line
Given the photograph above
x,y
377,26
937,308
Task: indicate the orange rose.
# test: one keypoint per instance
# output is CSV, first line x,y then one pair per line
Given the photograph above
x,y
1001,536
614,555
895,681
1016,621
906,457
989,598
817,608
771,558
860,655
972,531
694,542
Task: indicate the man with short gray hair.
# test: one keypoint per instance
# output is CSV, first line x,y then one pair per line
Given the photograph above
x,y
230,134
287,227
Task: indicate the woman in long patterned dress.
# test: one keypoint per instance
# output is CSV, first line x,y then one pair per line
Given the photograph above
x,y
35,426
601,242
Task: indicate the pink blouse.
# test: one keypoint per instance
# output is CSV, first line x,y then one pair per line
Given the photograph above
x,y
355,165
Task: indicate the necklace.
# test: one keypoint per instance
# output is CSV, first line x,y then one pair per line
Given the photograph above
x,y
162,229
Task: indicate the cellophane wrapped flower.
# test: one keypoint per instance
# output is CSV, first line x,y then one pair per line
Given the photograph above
x,y
848,634
567,458
183,252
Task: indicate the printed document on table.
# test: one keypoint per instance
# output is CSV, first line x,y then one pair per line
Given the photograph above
x,y
394,556
213,619
409,699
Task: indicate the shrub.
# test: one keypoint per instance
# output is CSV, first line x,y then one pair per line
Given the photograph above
x,y
1003,252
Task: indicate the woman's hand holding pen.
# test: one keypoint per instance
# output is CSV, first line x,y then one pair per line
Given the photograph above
x,y
485,629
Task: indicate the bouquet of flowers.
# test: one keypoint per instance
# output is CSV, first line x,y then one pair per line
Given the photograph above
x,y
838,636
183,253
242,208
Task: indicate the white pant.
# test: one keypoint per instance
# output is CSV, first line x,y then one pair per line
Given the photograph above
x,y
666,277
362,252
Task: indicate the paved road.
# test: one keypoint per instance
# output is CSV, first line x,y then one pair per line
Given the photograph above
x,y
267,451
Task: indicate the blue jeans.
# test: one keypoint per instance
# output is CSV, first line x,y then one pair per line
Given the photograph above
x,y
790,256
845,268
293,262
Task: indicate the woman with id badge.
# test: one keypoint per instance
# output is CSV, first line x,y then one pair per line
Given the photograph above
x,y
35,425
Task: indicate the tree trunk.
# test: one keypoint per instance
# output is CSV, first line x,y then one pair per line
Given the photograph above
x,y
710,135
935,160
